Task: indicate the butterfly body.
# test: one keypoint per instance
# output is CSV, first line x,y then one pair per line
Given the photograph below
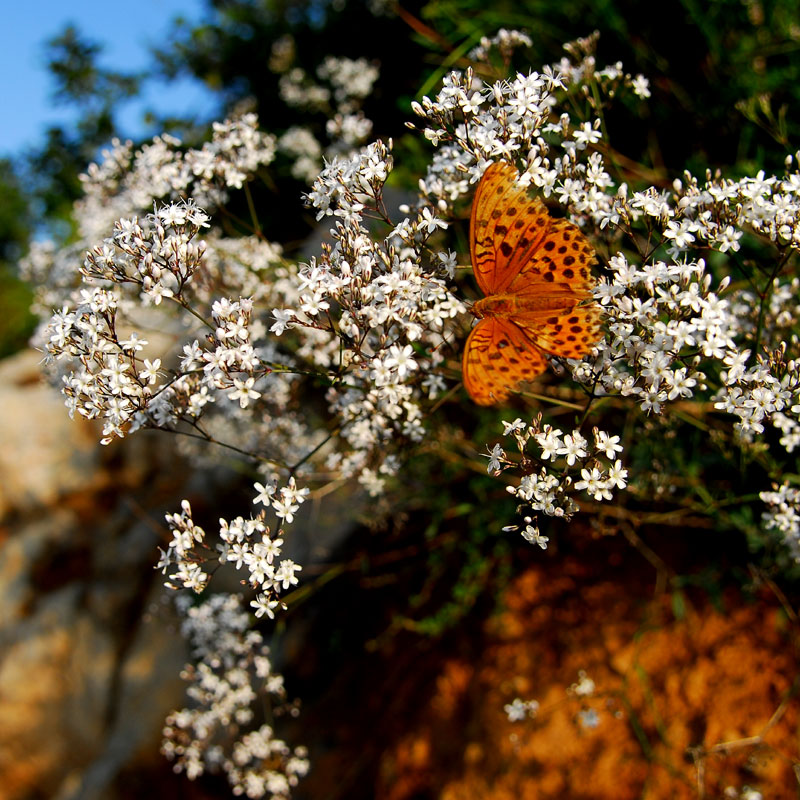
x,y
536,274
512,305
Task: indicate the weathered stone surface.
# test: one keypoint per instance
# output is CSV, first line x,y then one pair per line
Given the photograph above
x,y
43,453
89,656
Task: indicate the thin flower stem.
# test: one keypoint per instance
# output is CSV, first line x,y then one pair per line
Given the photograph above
x,y
763,301
206,437
185,305
252,209
293,469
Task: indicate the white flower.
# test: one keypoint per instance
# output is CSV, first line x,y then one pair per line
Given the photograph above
x,y
285,509
449,261
641,86
531,534
244,391
263,605
681,385
585,686
512,427
587,134
496,458
516,710
401,359
149,371
617,475
595,485
264,493
574,447
608,445
268,549
550,442
285,574
588,718
429,222
519,709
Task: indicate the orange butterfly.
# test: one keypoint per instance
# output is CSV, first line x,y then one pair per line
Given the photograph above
x,y
535,271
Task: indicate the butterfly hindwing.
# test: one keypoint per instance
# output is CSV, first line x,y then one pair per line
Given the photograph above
x,y
498,356
568,333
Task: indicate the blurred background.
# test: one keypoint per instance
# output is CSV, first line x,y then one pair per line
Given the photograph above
x,y
434,620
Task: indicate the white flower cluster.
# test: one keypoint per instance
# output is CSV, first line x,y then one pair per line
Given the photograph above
x,y
236,150
519,709
656,315
548,490
158,253
233,677
518,119
347,131
159,256
769,390
504,41
670,331
372,313
349,83
305,151
113,383
380,295
298,90
246,543
351,79
783,515
677,333
718,210
230,364
128,181
584,687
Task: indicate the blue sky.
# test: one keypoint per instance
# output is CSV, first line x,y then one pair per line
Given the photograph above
x,y
125,30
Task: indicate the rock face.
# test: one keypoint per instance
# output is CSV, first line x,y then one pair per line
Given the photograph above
x,y
89,659
629,700
45,455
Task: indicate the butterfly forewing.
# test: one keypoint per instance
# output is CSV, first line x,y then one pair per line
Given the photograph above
x,y
505,224
562,261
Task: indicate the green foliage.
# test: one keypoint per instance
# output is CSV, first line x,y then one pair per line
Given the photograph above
x,y
16,322
72,61
97,94
15,213
709,64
